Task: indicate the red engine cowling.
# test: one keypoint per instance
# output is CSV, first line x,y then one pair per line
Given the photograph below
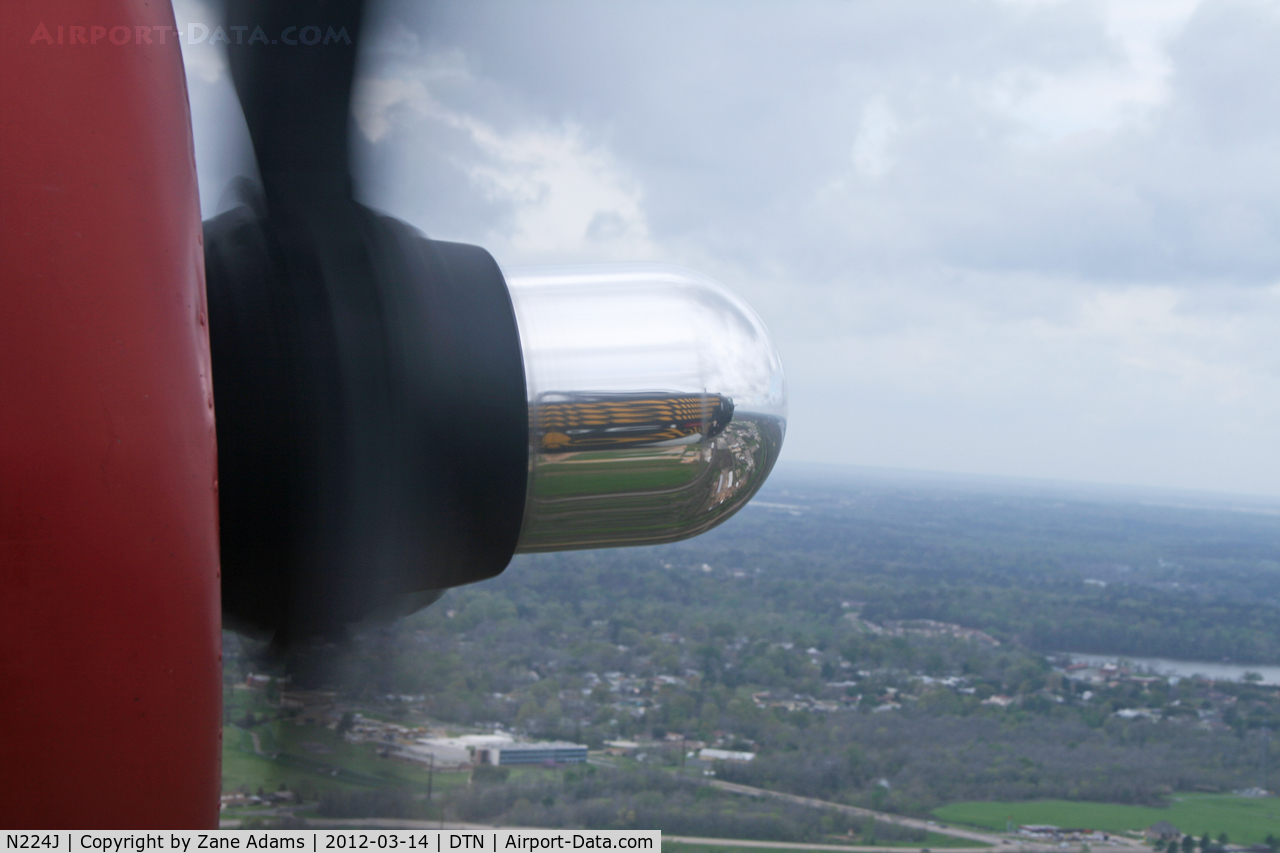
x,y
109,604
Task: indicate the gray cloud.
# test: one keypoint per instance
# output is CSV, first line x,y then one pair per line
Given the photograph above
x,y
1030,238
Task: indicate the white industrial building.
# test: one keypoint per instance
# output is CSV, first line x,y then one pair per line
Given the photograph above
x,y
547,752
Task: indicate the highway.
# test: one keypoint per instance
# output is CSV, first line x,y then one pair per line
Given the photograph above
x,y
914,823
987,840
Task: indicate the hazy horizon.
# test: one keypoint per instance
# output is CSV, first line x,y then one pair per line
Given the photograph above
x,y
797,468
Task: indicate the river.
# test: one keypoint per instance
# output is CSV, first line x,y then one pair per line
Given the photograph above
x,y
1183,668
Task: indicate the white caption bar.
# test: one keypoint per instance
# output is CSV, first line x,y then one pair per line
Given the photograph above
x,y
323,840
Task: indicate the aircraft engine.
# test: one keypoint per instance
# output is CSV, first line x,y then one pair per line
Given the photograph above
x,y
393,415
388,435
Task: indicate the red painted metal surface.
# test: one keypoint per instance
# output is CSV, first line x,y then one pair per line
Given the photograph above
x,y
110,684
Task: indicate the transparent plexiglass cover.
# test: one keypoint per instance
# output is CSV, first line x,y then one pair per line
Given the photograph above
x,y
657,404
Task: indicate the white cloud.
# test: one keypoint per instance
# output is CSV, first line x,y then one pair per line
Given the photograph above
x,y
568,197
872,153
1141,385
1109,89
203,60
375,101
1032,237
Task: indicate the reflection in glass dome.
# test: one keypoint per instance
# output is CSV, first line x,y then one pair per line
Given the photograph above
x,y
657,404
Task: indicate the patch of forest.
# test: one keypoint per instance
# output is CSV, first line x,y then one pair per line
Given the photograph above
x,y
1050,568
782,633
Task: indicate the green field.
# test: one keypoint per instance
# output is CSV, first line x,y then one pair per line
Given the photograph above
x,y
358,765
1246,820
613,472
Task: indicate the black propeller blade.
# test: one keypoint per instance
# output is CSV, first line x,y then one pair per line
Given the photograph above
x,y
371,410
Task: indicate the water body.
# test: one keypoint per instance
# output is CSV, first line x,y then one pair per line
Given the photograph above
x,y
1182,668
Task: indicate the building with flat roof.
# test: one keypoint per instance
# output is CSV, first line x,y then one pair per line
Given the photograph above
x,y
442,756
549,752
725,755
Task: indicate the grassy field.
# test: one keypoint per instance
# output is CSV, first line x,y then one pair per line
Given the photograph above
x,y
318,750
1246,820
246,772
613,472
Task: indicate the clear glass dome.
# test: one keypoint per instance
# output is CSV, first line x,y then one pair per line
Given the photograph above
x,y
657,404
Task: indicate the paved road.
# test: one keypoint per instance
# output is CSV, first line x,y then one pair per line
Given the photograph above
x,y
913,823
788,845
985,838
395,823
971,835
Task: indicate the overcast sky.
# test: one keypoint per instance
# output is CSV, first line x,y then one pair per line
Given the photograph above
x,y
1033,238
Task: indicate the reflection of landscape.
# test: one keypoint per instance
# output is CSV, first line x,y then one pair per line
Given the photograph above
x,y
639,495
864,661
566,422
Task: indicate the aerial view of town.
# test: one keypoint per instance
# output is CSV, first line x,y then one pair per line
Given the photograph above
x,y
997,666
734,425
